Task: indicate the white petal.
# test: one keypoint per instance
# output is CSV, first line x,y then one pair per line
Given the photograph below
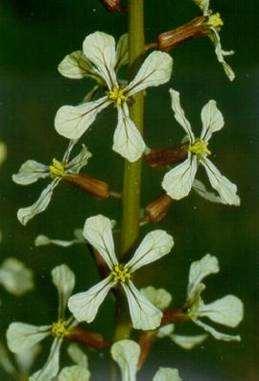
x,y
220,53
212,120
154,246
21,337
228,311
127,139
26,359
167,374
81,160
188,342
217,335
16,277
226,189
72,121
122,51
202,191
75,66
126,353
24,215
51,367
64,279
74,373
77,355
160,298
84,305
43,240
143,314
98,232
30,172
3,152
180,115
165,331
198,271
99,48
155,70
178,181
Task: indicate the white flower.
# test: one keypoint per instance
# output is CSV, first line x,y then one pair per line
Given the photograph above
x,y
31,171
72,121
126,353
78,372
3,152
16,277
43,240
203,192
215,23
22,337
226,311
178,182
156,244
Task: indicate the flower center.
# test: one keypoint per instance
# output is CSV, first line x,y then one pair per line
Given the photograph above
x,y
117,95
57,169
121,274
199,148
215,21
60,329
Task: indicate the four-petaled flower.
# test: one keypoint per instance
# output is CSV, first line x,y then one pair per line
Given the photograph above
x,y
126,353
31,171
156,244
179,180
227,311
72,121
22,337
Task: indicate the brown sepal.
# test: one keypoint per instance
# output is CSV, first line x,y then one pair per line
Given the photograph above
x,y
89,184
161,157
88,338
113,5
157,210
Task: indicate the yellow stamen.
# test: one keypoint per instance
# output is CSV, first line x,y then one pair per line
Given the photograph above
x,y
199,148
215,21
117,96
57,169
121,274
59,329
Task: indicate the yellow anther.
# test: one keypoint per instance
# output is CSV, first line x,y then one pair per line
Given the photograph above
x,y
215,21
57,169
199,148
121,274
59,329
117,95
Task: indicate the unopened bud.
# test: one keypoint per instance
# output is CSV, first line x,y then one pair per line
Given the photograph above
x,y
113,5
89,184
157,210
88,338
166,156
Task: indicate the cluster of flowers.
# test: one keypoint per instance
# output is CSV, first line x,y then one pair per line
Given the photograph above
x,y
101,60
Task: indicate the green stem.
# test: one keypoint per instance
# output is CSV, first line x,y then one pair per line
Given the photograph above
x,y
132,171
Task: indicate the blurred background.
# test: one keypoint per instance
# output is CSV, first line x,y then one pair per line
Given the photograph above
x,y
34,38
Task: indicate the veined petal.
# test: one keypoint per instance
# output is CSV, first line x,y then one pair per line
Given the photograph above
x,y
16,277
198,271
155,70
165,331
74,373
226,189
220,53
202,191
178,181
122,51
79,161
77,355
126,354
154,246
43,240
143,314
72,121
75,66
21,337
127,139
188,342
228,311
99,48
98,232
167,374
51,367
85,305
179,114
212,120
64,280
26,359
30,172
217,335
160,298
24,215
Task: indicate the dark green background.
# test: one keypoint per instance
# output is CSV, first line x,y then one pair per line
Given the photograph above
x,y
35,36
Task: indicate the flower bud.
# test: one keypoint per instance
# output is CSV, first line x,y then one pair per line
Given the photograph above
x,y
157,210
113,5
166,156
89,184
88,338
